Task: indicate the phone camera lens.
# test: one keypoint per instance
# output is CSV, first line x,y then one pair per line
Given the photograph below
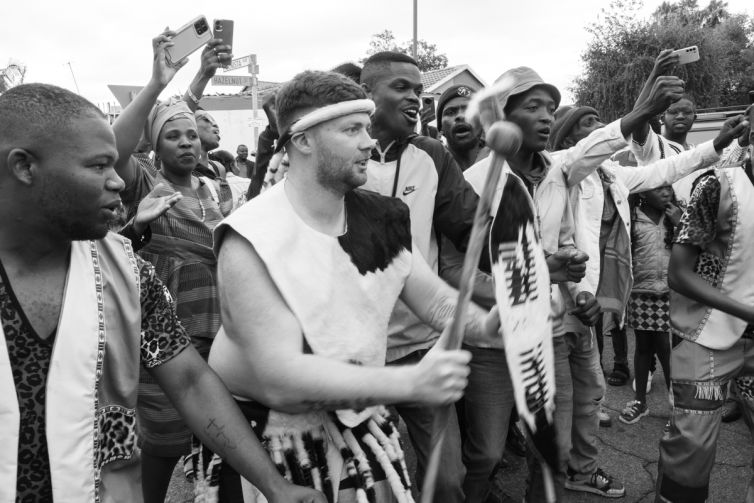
x,y
218,26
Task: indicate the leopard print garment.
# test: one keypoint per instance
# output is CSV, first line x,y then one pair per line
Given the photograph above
x,y
698,226
30,357
162,338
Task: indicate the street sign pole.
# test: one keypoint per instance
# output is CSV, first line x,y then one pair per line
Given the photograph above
x,y
254,70
250,62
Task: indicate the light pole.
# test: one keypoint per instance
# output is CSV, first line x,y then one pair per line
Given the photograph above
x,y
416,10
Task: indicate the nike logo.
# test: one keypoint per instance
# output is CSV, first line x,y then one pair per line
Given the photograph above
x,y
409,189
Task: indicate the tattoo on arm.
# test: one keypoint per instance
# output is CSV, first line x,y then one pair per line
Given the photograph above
x,y
217,433
444,310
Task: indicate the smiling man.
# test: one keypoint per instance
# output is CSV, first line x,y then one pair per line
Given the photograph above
x,y
422,173
325,263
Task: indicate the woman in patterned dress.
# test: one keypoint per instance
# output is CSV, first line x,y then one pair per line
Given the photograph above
x,y
180,246
652,223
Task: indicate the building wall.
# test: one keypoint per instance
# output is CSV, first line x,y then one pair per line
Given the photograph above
x,y
236,127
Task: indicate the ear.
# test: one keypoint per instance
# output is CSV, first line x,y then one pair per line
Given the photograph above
x,y
303,142
21,165
367,89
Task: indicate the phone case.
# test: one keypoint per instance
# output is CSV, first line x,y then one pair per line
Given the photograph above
x,y
687,55
188,38
223,29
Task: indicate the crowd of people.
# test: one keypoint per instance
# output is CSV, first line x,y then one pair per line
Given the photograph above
x,y
267,322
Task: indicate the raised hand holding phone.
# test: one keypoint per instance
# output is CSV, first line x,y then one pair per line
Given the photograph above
x,y
188,38
215,55
687,54
223,31
163,70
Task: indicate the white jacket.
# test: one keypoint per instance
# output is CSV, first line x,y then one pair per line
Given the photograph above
x,y
588,199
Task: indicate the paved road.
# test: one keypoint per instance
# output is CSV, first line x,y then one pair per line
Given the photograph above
x,y
628,452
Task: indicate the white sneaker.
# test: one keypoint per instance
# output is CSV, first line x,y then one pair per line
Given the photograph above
x,y
605,420
649,383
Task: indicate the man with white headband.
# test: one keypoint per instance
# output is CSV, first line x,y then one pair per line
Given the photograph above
x,y
325,263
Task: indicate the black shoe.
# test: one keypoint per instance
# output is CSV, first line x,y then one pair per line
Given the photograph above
x,y
515,441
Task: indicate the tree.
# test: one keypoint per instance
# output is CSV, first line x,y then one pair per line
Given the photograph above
x,y
426,54
624,46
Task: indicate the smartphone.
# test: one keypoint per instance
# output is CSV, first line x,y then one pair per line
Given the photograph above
x,y
687,55
427,111
224,31
188,38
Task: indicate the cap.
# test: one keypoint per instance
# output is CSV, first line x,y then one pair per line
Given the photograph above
x,y
460,91
524,78
565,123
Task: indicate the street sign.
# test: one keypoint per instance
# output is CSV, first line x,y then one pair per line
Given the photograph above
x,y
232,80
238,63
257,122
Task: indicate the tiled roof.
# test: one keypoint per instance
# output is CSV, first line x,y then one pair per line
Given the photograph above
x,y
434,76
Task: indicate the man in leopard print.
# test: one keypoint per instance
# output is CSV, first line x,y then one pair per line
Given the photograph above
x,y
58,194
712,321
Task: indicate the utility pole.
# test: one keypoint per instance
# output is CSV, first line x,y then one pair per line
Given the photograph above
x,y
74,78
416,11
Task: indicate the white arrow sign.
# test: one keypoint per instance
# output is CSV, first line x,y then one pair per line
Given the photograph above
x,y
238,63
232,80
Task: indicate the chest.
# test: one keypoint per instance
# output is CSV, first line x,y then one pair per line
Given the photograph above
x,y
39,296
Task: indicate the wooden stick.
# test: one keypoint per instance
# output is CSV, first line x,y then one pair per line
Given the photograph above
x,y
477,241
484,108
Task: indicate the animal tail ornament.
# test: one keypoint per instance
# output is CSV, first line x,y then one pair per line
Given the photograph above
x,y
522,290
302,458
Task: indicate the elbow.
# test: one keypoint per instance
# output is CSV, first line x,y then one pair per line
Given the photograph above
x,y
281,398
673,281
677,279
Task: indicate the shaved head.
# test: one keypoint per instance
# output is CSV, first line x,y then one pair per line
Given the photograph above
x,y
36,116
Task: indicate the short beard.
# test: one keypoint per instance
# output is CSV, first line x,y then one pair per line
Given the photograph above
x,y
56,209
464,145
330,173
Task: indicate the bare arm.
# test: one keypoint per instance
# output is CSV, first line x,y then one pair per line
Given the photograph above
x,y
279,374
664,62
683,279
434,302
210,412
214,55
129,125
664,91
451,265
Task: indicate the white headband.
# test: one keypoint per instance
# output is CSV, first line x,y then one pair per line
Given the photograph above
x,y
330,112
324,114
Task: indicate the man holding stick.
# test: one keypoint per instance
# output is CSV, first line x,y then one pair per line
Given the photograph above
x,y
326,263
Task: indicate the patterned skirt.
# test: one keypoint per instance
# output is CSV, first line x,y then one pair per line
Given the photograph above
x,y
650,312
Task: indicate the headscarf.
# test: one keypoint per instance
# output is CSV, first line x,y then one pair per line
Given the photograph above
x,y
164,112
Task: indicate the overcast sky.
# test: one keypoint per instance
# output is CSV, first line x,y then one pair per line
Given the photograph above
x,y
109,42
